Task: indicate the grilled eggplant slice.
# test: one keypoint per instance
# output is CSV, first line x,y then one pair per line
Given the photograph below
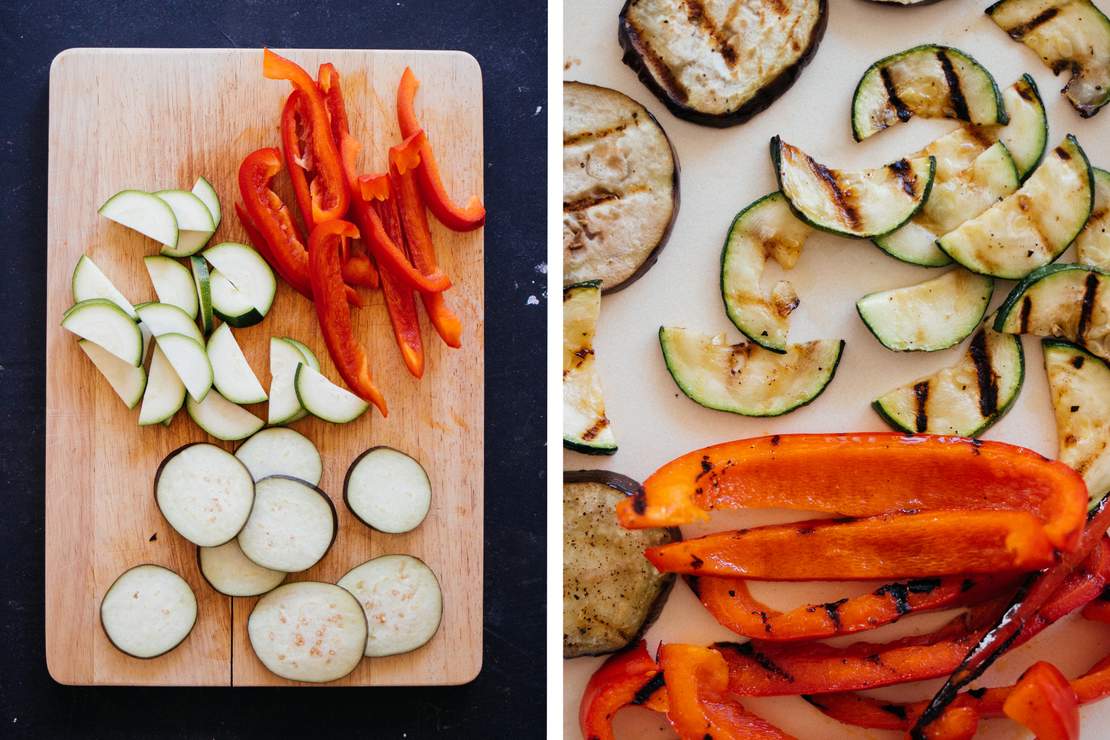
x,y
1079,384
585,426
862,204
1033,226
744,378
611,593
906,3
928,81
718,64
620,187
930,316
1066,301
1067,35
1093,243
765,229
965,399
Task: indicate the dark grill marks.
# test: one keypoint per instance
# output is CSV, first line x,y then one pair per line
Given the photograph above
x,y
955,94
1077,361
984,375
639,501
706,467
1062,153
1086,308
1026,310
589,201
899,594
923,585
697,14
646,691
977,693
1024,91
921,398
904,114
594,135
896,710
1018,31
659,69
748,650
839,195
904,172
595,430
833,610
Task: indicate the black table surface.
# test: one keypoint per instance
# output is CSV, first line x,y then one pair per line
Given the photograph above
x,y
509,40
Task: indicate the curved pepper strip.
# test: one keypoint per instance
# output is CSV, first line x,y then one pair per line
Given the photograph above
x,y
294,137
399,301
627,678
254,236
453,216
1045,703
332,311
328,189
862,475
327,79
1099,609
895,546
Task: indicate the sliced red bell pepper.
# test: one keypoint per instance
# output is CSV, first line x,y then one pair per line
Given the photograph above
x,y
358,269
957,723
327,186
1045,703
627,678
295,141
399,301
374,187
325,245
254,236
1099,609
450,214
327,79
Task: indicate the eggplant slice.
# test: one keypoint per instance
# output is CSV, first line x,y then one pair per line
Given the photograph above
x,y
620,187
716,63
586,428
611,593
1093,243
1079,384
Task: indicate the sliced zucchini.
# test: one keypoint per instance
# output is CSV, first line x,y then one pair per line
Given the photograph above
x,y
387,490
165,318
145,213
402,600
1026,135
284,407
281,452
247,271
127,380
324,399
955,199
148,339
1093,243
1033,226
765,229
1067,35
862,204
104,323
189,360
207,194
309,355
148,611
90,282
172,283
164,394
204,292
231,374
927,81
585,427
965,399
1079,384
205,493
1070,302
194,222
291,527
744,378
232,573
221,418
928,316
230,304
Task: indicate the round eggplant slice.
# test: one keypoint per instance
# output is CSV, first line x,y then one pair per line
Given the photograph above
x,y
620,187
308,631
205,493
718,64
232,573
148,611
905,3
611,593
1093,243
402,600
292,526
387,490
281,451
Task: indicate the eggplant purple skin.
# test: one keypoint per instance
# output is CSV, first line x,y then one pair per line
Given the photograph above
x,y
173,453
769,93
347,483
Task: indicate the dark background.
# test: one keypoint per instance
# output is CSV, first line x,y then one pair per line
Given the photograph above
x,y
509,40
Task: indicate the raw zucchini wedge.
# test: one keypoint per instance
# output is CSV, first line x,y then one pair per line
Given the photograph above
x,y
1079,384
245,269
103,323
148,611
232,573
402,600
190,362
717,67
954,199
145,213
324,399
388,490
291,527
1034,225
1067,35
284,407
965,399
127,380
90,282
862,204
928,316
231,374
281,451
229,304
204,292
194,222
765,229
744,378
586,428
221,418
165,393
205,493
207,194
165,318
1069,302
172,283
927,81
1093,243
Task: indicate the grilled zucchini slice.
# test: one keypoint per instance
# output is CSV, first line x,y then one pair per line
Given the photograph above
x,y
1067,35
929,316
718,64
585,426
1093,243
1026,135
928,81
611,593
765,229
1066,301
954,199
1079,384
744,378
862,204
1034,225
965,399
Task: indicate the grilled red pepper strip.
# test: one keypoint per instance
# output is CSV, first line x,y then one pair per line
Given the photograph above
x,y
1044,702
332,311
418,236
327,188
629,677
450,214
399,301
957,723
295,134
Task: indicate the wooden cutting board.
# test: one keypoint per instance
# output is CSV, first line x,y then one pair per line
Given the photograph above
x,y
154,119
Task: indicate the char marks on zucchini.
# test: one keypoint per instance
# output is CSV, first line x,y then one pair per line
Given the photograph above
x,y
1079,385
586,428
1067,301
1093,243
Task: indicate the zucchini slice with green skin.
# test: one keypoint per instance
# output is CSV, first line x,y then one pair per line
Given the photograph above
x,y
1066,301
324,399
1026,135
204,292
102,322
221,418
166,318
145,213
965,399
172,283
127,380
744,378
231,374
953,200
928,81
90,282
929,316
247,271
148,611
402,600
229,304
1093,243
764,229
1067,35
861,204
284,407
1033,226
189,360
165,393
586,428
194,222
1079,384
207,194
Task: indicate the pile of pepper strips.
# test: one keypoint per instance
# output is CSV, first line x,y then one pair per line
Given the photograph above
x,y
985,525
387,211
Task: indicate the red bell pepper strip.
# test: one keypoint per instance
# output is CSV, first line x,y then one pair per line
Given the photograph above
x,y
327,79
254,236
295,140
1044,702
332,311
399,301
358,269
957,723
328,188
450,214
374,187
627,678
1099,609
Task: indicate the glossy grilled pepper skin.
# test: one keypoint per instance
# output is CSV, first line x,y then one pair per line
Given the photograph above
x,y
627,678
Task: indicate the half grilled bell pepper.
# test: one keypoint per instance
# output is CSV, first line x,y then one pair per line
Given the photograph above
x,y
1044,702
399,301
627,678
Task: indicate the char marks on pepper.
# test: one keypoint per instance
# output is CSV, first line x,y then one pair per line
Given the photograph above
x,y
645,692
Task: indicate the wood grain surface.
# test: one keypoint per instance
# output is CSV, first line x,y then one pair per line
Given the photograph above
x,y
154,119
